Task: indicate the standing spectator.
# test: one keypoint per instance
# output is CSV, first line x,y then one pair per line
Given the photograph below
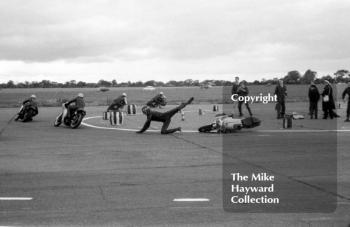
x,y
347,92
243,91
234,91
281,92
314,97
328,104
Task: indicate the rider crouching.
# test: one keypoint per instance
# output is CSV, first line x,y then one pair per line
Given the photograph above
x,y
26,105
75,104
118,103
157,101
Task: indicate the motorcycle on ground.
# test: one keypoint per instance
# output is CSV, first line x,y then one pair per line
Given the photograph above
x,y
226,124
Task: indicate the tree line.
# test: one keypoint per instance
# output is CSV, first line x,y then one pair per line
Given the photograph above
x,y
295,77
292,77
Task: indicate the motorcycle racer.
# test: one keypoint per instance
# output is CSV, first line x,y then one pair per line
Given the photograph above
x,y
157,101
75,104
118,103
27,104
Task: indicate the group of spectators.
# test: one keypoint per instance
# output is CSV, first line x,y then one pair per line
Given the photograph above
x,y
328,103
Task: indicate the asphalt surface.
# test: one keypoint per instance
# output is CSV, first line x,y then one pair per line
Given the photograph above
x,y
94,177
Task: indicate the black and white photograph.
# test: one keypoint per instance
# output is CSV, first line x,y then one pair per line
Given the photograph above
x,y
175,113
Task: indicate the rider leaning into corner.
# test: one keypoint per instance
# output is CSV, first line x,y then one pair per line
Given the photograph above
x,y
164,117
118,103
157,101
30,103
74,104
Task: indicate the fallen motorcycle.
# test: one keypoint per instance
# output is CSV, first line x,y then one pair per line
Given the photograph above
x,y
227,124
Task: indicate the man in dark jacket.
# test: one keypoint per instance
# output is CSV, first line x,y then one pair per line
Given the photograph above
x,y
75,104
314,96
328,104
118,103
281,93
164,117
234,90
242,92
347,92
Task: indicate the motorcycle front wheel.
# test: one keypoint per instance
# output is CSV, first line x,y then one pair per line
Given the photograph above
x,y
76,121
58,121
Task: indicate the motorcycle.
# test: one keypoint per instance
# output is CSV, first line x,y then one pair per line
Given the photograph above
x,y
26,113
225,124
72,121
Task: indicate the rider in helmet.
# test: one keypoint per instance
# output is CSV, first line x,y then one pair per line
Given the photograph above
x,y
118,103
75,104
29,103
157,101
164,117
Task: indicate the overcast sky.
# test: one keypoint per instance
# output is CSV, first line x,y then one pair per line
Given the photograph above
x,y
87,40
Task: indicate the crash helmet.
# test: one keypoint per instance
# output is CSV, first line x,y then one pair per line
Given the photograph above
x,y
124,94
81,95
33,96
145,110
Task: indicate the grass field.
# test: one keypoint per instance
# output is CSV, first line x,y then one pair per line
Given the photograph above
x,y
94,97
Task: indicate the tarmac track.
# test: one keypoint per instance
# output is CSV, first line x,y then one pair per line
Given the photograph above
x,y
94,177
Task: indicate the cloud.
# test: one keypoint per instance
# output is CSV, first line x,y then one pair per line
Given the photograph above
x,y
242,35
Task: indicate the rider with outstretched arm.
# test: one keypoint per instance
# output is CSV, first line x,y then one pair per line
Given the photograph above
x,y
164,117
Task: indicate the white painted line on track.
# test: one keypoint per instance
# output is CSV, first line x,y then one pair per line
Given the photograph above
x,y
123,129
15,198
195,131
191,200
304,130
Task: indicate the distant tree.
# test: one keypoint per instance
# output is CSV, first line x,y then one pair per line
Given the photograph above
x,y
114,83
150,83
10,84
256,82
340,75
329,78
293,77
196,83
104,83
308,76
318,81
188,82
21,85
81,84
